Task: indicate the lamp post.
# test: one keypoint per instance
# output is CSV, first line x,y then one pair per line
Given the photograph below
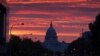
x,y
13,26
11,30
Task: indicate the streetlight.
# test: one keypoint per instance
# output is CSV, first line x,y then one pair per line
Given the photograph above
x,y
13,26
11,30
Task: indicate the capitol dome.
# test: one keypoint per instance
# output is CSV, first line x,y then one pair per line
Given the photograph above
x,y
51,33
51,41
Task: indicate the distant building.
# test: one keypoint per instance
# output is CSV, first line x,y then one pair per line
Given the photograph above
x,y
51,42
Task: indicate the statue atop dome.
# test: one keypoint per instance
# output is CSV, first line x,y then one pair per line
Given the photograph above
x,y
51,24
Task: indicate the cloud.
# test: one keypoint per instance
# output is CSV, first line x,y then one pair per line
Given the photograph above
x,y
95,0
55,9
42,1
68,18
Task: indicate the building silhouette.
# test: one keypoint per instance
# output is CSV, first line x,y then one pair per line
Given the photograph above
x,y
51,41
3,14
51,35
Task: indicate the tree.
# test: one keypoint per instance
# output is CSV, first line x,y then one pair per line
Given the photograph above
x,y
81,46
95,34
14,45
25,47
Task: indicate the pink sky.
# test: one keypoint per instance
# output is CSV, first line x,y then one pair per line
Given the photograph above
x,y
68,17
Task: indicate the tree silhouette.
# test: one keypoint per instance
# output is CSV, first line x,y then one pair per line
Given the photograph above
x,y
76,47
81,46
95,34
14,45
90,46
25,47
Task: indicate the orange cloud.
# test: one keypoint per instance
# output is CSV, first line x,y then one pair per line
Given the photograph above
x,y
43,33
26,32
67,37
68,34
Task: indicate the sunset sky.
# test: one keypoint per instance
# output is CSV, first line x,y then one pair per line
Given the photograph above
x,y
69,17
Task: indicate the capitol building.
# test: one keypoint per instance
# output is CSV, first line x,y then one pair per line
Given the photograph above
x,y
51,41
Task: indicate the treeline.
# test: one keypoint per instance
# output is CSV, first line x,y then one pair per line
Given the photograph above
x,y
26,47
